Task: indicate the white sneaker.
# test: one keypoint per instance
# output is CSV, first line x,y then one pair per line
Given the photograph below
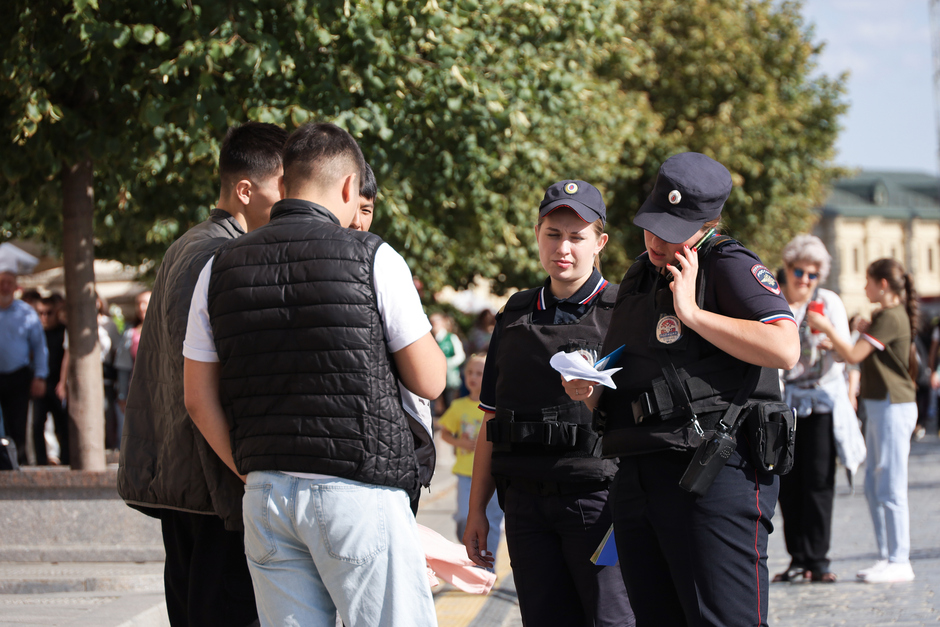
x,y
892,573
864,573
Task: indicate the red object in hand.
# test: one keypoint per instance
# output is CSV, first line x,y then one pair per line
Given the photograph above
x,y
817,306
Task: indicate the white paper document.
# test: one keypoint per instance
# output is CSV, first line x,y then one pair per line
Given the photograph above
x,y
575,366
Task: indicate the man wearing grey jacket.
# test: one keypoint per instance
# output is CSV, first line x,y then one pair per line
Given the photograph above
x,y
167,470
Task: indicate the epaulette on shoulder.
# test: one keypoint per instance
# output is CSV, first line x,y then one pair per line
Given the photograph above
x,y
608,298
521,300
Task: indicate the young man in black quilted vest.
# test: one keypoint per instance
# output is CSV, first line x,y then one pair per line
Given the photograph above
x,y
298,336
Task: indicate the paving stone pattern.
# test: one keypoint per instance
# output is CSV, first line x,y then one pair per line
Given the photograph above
x,y
853,547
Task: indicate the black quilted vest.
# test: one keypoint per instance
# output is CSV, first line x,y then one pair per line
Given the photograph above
x,y
307,382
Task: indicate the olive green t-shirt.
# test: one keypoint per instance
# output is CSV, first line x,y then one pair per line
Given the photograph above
x,y
884,372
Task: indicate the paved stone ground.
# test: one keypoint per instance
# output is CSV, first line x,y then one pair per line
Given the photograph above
x,y
853,547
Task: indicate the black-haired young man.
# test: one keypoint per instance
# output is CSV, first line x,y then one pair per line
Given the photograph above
x,y
298,336
167,470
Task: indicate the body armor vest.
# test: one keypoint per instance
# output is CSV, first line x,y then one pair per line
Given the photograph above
x,y
649,410
538,432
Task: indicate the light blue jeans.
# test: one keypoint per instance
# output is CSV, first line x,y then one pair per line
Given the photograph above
x,y
318,546
494,514
888,438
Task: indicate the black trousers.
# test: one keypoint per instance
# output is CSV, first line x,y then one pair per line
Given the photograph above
x,y
14,402
807,493
690,560
206,574
550,541
50,403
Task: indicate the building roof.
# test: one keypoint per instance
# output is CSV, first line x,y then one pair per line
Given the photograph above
x,y
898,195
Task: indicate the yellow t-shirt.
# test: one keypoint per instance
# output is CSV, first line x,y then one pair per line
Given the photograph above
x,y
463,418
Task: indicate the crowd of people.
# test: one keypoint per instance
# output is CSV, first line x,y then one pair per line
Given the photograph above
x,y
42,406
272,411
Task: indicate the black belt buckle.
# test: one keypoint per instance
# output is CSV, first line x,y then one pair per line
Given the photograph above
x,y
642,408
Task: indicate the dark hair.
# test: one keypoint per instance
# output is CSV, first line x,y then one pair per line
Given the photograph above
x,y
252,151
31,296
320,154
899,282
368,188
53,300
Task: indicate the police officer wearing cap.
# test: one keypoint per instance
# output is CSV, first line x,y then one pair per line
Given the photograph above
x,y
703,308
539,449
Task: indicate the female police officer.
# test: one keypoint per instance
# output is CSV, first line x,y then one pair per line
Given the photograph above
x,y
690,337
538,447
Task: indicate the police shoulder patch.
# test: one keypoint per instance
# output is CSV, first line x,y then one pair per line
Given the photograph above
x,y
766,278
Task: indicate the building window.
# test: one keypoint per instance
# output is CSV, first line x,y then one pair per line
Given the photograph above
x,y
855,264
930,259
893,256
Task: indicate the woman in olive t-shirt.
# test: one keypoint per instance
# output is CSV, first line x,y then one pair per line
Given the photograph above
x,y
887,390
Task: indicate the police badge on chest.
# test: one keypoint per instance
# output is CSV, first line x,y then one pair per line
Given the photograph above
x,y
668,332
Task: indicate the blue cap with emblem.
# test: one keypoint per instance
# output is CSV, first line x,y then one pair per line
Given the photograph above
x,y
690,190
582,198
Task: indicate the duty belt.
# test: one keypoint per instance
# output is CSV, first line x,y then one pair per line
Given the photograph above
x,y
552,427
698,392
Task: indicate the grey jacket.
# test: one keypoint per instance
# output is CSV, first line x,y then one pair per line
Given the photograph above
x,y
165,461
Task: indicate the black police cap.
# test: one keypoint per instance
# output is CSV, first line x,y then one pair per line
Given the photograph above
x,y
582,198
690,190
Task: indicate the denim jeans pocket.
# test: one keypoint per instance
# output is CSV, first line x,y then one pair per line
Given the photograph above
x,y
259,539
352,521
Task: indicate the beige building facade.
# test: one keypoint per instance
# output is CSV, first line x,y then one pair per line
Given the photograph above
x,y
882,214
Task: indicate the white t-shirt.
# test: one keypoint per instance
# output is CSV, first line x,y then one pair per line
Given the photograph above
x,y
399,305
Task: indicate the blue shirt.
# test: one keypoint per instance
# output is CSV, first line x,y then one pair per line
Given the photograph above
x,y
22,341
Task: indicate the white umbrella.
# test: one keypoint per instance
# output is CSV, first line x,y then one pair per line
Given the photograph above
x,y
16,260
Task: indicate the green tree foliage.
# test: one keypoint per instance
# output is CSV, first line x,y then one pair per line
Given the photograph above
x,y
734,79
467,110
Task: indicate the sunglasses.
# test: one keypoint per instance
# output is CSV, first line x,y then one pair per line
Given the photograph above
x,y
799,272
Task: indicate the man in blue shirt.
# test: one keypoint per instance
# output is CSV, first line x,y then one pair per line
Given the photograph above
x,y
24,361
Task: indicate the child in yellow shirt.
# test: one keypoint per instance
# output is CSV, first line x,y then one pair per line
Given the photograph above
x,y
460,425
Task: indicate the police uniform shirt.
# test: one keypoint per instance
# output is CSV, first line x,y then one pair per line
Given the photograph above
x,y
548,310
737,285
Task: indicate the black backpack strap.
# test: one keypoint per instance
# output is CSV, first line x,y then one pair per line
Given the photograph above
x,y
715,242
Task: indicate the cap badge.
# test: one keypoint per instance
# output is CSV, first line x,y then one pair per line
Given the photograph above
x,y
668,329
571,188
674,197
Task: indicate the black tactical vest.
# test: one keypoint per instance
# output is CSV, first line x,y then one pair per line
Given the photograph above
x,y
538,432
307,381
644,414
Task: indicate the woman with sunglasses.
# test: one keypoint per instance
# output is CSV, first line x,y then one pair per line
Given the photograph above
x,y
888,392
816,389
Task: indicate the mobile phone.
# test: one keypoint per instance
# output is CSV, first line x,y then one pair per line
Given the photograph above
x,y
708,234
704,238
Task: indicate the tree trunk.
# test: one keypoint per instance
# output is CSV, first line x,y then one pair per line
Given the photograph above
x,y
85,384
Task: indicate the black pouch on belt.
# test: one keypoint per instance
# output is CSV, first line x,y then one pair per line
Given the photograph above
x,y
771,432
